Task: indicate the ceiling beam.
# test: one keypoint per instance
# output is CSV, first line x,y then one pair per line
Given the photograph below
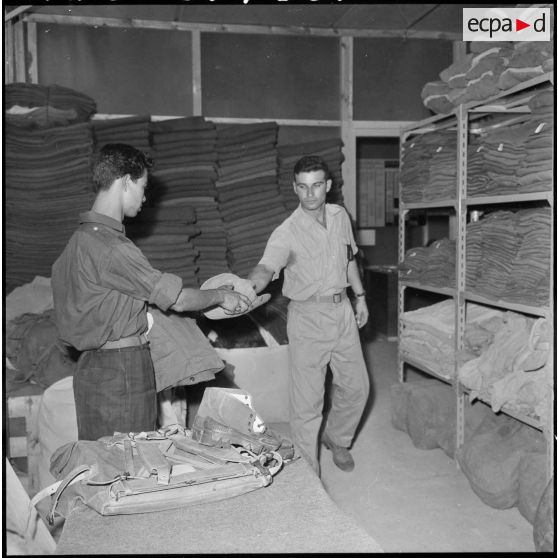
x,y
15,12
250,29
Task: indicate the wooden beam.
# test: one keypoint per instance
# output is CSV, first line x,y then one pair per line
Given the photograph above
x,y
249,29
19,51
347,129
9,58
33,68
16,12
196,74
379,128
232,120
459,50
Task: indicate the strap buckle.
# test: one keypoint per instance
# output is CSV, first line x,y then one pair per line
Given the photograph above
x,y
337,297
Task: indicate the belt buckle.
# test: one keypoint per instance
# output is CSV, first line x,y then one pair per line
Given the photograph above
x,y
337,297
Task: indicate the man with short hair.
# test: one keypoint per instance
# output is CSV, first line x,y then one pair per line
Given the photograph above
x,y
101,285
316,248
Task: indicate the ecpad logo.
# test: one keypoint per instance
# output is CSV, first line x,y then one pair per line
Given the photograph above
x,y
506,24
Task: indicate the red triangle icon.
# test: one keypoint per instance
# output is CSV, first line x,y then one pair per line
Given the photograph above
x,y
519,25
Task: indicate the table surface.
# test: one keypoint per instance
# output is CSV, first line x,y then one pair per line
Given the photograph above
x,y
292,515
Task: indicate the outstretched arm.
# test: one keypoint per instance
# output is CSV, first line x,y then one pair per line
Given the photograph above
x,y
195,299
260,277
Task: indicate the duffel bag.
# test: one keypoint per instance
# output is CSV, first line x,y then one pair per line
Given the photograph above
x,y
147,472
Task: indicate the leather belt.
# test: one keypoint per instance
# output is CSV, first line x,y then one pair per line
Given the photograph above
x,y
132,341
336,298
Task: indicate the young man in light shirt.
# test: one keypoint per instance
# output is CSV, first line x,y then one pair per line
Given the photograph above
x,y
316,248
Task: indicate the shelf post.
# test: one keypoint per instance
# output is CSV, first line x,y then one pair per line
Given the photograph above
x,y
460,267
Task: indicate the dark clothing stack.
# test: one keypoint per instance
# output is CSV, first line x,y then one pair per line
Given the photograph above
x,y
133,130
414,168
535,171
330,150
432,265
493,161
47,183
164,235
442,184
508,256
429,167
489,68
248,195
184,175
211,243
77,106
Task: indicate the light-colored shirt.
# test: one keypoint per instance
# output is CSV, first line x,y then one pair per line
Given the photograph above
x,y
315,258
101,283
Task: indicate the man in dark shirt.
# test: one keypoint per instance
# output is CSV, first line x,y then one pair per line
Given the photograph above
x,y
101,286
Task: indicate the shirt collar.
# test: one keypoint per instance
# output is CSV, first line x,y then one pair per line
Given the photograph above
x,y
307,221
94,217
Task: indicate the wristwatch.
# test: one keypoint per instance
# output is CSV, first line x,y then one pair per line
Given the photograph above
x,y
358,295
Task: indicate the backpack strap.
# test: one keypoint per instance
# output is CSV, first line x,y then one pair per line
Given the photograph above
x,y
73,476
154,461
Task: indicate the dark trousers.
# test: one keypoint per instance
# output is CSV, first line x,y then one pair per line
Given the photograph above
x,y
114,390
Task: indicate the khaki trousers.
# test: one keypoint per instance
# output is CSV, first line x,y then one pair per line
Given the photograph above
x,y
322,333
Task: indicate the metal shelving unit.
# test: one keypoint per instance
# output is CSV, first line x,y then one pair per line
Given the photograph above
x,y
512,101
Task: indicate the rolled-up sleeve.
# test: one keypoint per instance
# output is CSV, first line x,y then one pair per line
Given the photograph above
x,y
127,270
166,291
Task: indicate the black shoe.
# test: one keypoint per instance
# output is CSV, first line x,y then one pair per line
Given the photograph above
x,y
341,456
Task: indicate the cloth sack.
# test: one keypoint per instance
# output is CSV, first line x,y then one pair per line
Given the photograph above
x,y
151,471
34,350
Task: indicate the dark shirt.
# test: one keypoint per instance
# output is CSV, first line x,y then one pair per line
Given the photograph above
x,y
101,283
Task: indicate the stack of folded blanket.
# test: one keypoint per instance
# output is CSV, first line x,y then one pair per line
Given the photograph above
x,y
330,150
493,160
535,173
164,236
514,158
132,130
247,191
432,265
46,105
490,67
429,167
211,243
47,184
184,176
508,256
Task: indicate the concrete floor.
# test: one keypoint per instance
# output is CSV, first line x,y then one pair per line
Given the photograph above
x,y
409,499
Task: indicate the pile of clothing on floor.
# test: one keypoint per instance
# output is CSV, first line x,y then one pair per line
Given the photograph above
x,y
490,67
